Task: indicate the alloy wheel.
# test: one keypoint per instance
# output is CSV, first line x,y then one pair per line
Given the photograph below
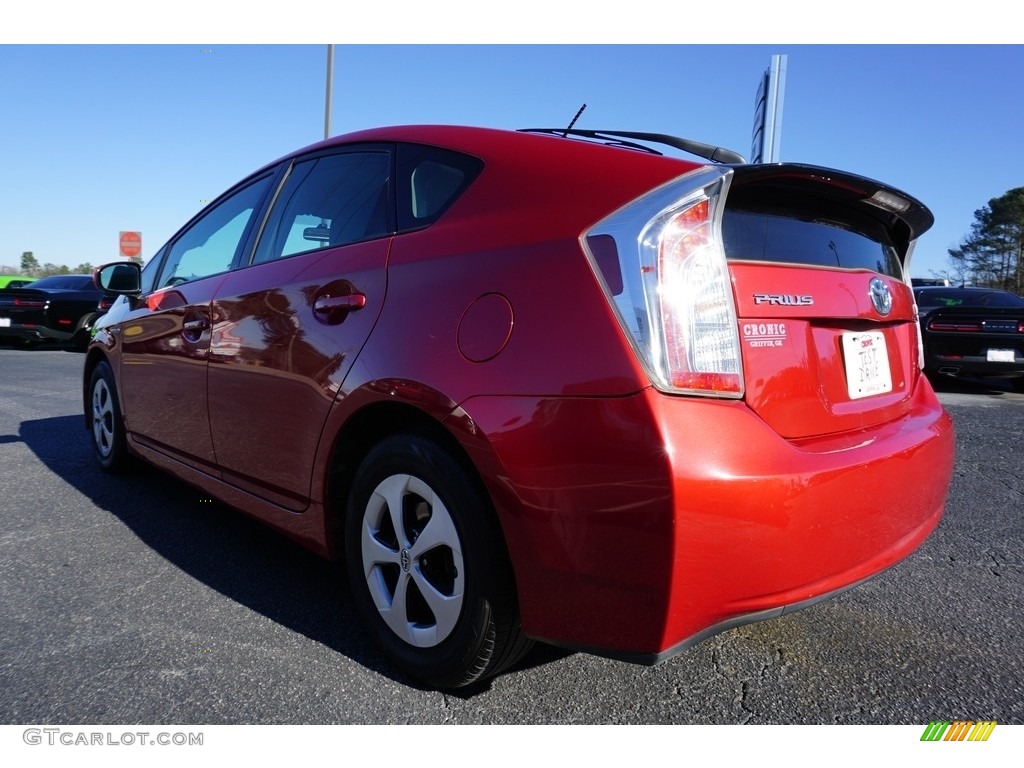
x,y
412,560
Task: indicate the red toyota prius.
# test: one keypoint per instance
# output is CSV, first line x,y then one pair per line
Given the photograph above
x,y
610,390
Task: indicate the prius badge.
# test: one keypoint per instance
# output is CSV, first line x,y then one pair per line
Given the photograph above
x,y
783,299
881,296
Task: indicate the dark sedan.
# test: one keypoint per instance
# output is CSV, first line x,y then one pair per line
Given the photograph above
x,y
59,308
972,332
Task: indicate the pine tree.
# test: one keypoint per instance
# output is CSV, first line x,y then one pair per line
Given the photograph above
x,y
992,255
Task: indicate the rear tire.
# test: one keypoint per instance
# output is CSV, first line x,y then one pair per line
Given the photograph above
x,y
428,567
83,332
105,423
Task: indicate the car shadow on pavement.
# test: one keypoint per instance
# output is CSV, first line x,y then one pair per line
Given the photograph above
x,y
970,385
40,346
225,550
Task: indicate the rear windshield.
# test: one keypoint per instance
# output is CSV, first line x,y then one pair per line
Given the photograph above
x,y
961,298
813,241
65,282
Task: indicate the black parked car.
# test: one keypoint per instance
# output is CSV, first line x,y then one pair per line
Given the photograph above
x,y
972,332
58,307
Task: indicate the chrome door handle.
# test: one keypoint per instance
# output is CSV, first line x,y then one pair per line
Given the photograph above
x,y
334,309
332,304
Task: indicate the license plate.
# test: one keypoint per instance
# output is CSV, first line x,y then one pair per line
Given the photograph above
x,y
1000,356
867,364
5,322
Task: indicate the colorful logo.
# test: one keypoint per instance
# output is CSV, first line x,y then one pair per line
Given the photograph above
x,y
958,730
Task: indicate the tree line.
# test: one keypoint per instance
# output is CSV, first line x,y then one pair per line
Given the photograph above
x,y
30,267
992,254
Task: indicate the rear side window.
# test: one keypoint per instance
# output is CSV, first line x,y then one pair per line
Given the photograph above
x,y
430,179
329,201
817,241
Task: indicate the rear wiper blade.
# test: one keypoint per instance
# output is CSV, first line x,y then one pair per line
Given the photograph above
x,y
707,151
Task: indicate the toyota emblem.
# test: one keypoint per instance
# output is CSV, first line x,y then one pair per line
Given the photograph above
x,y
881,296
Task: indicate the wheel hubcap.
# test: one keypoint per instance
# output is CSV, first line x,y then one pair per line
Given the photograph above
x,y
102,418
412,561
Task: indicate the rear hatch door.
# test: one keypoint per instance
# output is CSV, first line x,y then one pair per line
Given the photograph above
x,y
827,323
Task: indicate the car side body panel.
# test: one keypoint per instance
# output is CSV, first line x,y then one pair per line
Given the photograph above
x,y
274,354
163,348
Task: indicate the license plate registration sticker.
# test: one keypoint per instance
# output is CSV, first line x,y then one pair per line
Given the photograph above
x,y
1000,356
5,322
867,364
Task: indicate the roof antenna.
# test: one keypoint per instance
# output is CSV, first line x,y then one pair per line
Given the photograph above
x,y
573,121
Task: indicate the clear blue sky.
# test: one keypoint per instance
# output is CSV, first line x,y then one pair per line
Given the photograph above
x,y
96,139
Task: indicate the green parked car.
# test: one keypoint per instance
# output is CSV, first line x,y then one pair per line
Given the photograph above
x,y
14,281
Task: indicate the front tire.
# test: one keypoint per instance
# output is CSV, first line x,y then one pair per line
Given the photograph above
x,y
105,423
428,567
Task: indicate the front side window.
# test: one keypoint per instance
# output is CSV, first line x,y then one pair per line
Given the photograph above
x,y
150,271
211,244
329,201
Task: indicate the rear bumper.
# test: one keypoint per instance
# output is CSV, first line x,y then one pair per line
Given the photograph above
x,y
967,354
973,366
31,332
638,526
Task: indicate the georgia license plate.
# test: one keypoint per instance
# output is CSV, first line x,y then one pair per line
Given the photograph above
x,y
1000,356
867,364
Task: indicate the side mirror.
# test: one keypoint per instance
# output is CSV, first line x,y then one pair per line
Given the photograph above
x,y
121,278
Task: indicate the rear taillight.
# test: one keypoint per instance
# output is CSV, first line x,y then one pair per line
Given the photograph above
x,y
30,303
947,326
918,359
671,288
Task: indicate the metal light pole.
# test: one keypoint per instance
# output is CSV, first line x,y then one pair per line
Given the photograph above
x,y
766,139
330,83
773,111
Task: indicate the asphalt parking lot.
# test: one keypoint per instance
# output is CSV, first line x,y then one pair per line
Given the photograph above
x,y
136,600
